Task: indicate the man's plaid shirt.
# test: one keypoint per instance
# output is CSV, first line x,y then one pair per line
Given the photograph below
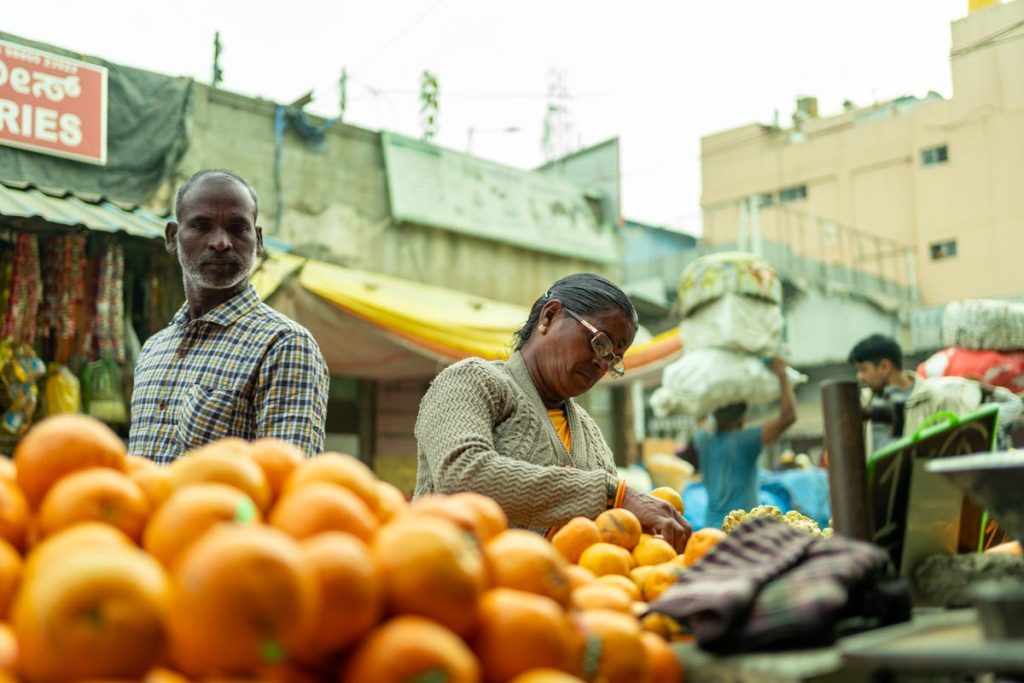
x,y
243,370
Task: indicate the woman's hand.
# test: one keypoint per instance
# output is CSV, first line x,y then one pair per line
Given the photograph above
x,y
658,517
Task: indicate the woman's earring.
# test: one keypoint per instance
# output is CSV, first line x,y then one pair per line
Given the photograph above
x,y
543,329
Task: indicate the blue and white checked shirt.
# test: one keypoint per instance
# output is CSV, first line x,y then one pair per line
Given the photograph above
x,y
243,370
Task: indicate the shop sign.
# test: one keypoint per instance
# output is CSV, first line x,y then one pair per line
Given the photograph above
x,y
52,104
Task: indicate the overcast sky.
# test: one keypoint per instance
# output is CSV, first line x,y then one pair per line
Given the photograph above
x,y
657,74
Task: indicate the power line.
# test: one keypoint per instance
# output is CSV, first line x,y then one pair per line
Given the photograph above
x,y
987,41
401,33
479,95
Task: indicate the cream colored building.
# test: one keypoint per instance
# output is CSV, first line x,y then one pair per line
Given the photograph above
x,y
922,195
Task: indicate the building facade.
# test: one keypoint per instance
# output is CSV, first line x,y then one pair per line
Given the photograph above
x,y
919,193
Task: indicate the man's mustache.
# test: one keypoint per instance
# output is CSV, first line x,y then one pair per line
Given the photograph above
x,y
232,259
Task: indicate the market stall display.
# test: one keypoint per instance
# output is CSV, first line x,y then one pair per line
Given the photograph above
x,y
62,303
249,560
919,514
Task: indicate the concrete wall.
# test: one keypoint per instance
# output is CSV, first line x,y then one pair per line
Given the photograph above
x,y
863,168
821,328
336,205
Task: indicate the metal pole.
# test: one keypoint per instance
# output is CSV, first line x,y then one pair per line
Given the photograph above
x,y
847,470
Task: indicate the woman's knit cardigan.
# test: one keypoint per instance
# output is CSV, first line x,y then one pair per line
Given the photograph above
x,y
482,427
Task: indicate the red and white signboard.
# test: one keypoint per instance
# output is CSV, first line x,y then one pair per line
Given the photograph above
x,y
52,104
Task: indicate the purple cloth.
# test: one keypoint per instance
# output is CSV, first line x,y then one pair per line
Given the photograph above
x,y
768,585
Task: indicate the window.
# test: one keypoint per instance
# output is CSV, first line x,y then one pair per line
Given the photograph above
x,y
943,250
934,155
791,194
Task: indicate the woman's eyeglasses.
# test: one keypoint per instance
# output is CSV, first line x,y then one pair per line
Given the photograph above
x,y
602,346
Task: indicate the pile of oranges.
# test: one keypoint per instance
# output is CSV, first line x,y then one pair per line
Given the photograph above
x,y
249,562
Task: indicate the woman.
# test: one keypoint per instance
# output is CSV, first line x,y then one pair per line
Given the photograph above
x,y
511,431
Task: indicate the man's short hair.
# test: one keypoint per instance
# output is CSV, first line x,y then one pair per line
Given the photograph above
x,y
875,349
211,172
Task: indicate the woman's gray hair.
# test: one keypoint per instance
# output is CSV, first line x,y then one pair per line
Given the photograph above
x,y
582,293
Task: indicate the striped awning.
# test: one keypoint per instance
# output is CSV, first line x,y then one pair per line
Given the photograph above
x,y
26,206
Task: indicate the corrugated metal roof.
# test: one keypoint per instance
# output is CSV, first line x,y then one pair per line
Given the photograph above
x,y
62,207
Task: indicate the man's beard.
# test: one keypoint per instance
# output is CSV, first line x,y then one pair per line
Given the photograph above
x,y
193,271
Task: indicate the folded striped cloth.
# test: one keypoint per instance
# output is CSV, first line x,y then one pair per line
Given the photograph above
x,y
770,586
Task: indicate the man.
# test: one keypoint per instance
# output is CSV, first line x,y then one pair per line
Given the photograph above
x,y
227,365
898,402
728,457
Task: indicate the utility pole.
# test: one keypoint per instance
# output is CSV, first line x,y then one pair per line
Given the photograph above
x,y
342,94
557,141
430,93
218,74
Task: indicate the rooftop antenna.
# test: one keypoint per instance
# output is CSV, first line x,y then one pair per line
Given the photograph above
x,y
218,73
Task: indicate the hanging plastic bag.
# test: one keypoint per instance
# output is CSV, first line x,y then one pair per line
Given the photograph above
x,y
103,392
19,395
63,393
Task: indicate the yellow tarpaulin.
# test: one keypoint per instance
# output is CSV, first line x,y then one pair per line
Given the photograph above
x,y
442,321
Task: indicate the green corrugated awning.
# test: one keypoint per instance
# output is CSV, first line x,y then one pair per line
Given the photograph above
x,y
24,204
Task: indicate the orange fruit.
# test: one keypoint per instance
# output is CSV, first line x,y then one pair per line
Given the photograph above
x,y
10,576
446,507
1008,548
189,513
662,665
602,596
410,648
576,536
134,463
155,483
670,496
163,675
652,551
278,459
225,466
621,657
95,495
702,541
14,515
432,568
337,468
319,507
638,576
231,446
493,520
579,576
351,598
545,676
8,652
623,583
94,614
59,445
522,631
84,536
658,581
619,527
240,593
661,625
7,469
524,561
606,558
391,502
